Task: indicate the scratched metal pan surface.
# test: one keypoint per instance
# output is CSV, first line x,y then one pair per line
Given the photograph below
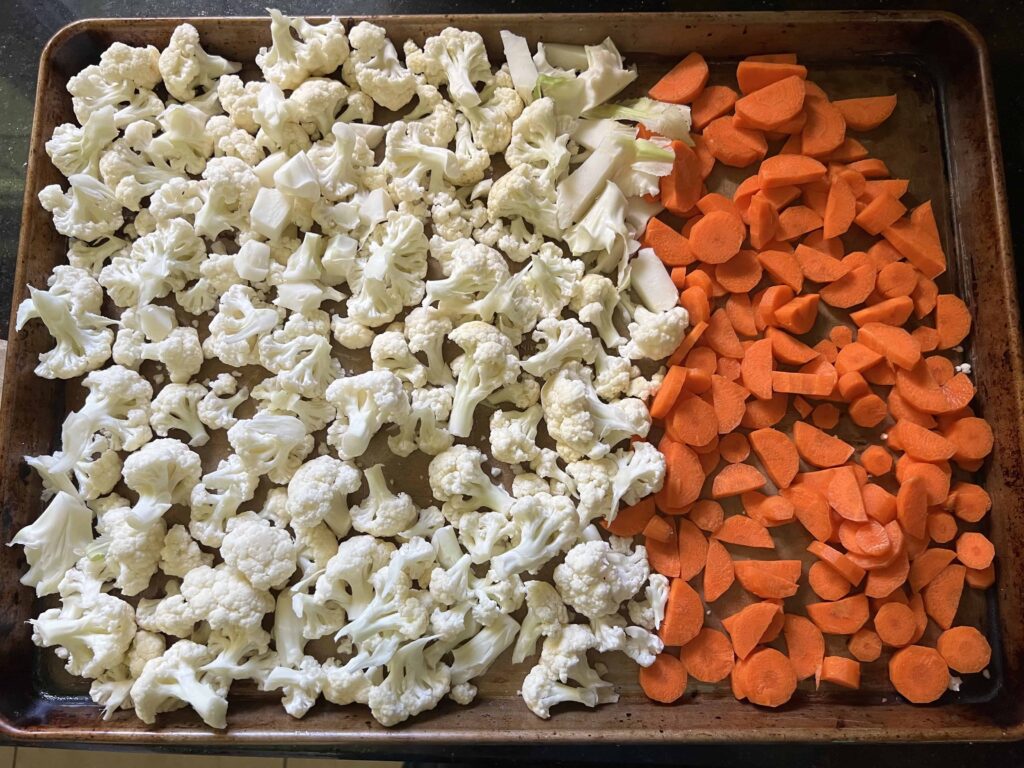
x,y
942,137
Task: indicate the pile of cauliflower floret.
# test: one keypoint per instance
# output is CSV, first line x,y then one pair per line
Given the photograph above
x,y
474,230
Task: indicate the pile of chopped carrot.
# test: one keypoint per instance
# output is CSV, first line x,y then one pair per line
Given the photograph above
x,y
796,342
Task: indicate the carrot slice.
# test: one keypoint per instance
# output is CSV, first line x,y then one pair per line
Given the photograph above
x,y
740,273
826,582
895,624
982,579
798,316
920,443
942,595
736,479
747,626
952,320
964,649
659,529
818,448
840,617
758,578
734,146
717,237
684,476
709,656
811,509
812,385
969,502
665,680
691,421
797,220
728,399
753,75
839,671
881,212
693,549
844,495
713,102
865,645
773,105
917,246
768,678
671,247
684,82
777,455
824,130
866,113
840,209
894,311
919,674
850,570
738,308
804,644
744,531
912,506
684,614
765,413
719,572
928,565
974,550
788,350
631,520
784,269
663,555
681,189
818,266
786,170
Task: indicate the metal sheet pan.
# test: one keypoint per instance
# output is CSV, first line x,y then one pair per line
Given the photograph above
x,y
943,138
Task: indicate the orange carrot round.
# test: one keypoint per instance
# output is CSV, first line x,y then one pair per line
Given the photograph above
x,y
713,102
717,237
719,572
708,657
827,582
964,649
975,550
919,674
665,680
684,615
768,678
839,671
895,624
734,447
865,645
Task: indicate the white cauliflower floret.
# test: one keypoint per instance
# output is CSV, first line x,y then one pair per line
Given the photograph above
x,y
432,120
161,262
217,498
458,480
454,58
563,660
125,553
545,525
130,93
54,541
111,689
179,553
315,104
612,375
513,435
489,362
74,149
271,445
127,64
655,335
217,407
388,272
241,321
172,681
650,612
471,162
491,120
390,352
564,341
271,396
132,175
383,513
92,632
224,598
87,211
475,656
424,429
594,300
92,256
516,241
410,687
186,67
426,328
176,406
613,634
545,615
301,50
231,141
229,193
365,403
373,65
318,492
416,171
451,220
279,129
474,272
583,425
71,312
525,192
263,553
239,100
185,145
300,354
594,579
180,352
344,586
536,141
301,685
342,161
638,473
163,472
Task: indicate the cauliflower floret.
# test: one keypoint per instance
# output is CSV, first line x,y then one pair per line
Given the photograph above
x,y
231,141
301,685
345,582
373,65
300,354
179,553
426,328
127,64
163,472
301,50
412,686
655,335
383,513
125,553
271,397
172,681
343,162
594,579
87,211
536,140
186,67
416,171
161,262
217,498
513,435
545,525
271,445
455,58
491,119
53,542
99,86
650,612
132,175
176,406
423,430
637,643
594,300
224,598
178,198
239,100
564,341
241,321
263,553
92,256
458,480
514,239
488,362
525,192
111,689
229,193
185,144
563,660
474,272
74,149
545,615
365,403
92,632
71,312
315,105
388,272
217,407
318,492
390,352
583,425
180,352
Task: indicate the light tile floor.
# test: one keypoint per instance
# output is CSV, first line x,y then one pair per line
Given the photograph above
x,y
24,757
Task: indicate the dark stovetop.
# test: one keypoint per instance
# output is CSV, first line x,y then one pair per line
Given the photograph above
x,y
28,24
